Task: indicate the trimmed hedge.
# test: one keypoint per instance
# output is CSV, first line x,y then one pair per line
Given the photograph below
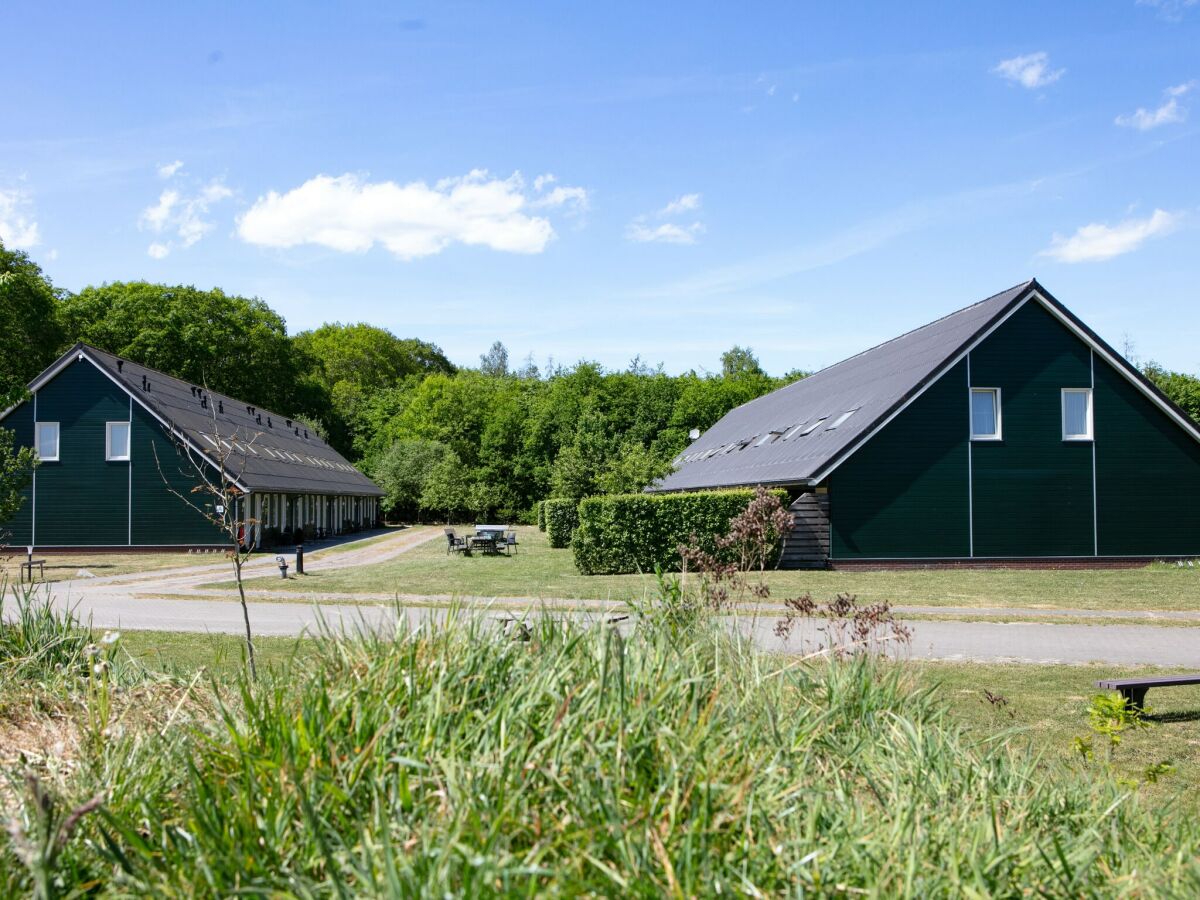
x,y
562,518
540,511
626,533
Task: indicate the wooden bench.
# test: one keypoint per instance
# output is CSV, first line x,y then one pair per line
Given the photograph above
x,y
1134,689
28,565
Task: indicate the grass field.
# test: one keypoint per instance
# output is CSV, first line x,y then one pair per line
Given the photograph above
x,y
65,566
666,763
1045,706
539,572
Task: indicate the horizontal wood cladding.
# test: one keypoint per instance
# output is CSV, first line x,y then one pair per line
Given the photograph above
x,y
1032,491
82,499
160,466
904,493
807,544
1147,474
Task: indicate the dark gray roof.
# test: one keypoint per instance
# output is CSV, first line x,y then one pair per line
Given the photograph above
x,y
274,455
869,386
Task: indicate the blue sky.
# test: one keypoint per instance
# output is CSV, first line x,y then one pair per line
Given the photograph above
x,y
604,181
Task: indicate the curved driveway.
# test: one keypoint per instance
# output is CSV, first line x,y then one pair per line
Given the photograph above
x,y
128,602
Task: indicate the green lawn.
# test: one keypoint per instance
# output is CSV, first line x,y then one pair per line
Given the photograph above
x,y
1048,705
65,566
539,572
183,653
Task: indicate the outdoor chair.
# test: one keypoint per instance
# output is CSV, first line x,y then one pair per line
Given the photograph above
x,y
510,542
455,544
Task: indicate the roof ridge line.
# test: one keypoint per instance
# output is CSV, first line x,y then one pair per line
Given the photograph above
x,y
1023,284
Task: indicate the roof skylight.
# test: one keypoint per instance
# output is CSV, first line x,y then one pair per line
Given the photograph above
x,y
793,431
840,419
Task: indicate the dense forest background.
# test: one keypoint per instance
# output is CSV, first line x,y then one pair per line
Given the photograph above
x,y
484,442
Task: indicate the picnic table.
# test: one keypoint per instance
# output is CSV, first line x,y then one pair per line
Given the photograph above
x,y
489,539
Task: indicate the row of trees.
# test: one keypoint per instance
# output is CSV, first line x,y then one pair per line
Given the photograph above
x,y
442,441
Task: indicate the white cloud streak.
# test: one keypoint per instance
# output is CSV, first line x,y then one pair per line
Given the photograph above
x,y
1030,71
641,231
1170,10
686,203
1168,113
1097,242
169,169
18,228
351,215
183,215
666,233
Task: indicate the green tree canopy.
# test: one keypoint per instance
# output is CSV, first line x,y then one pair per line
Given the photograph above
x,y
31,335
403,472
16,467
1183,389
738,361
367,357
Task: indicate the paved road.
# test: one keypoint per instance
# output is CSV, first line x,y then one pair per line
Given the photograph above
x,y
1035,642
129,602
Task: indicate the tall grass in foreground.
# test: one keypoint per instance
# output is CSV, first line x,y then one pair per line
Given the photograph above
x,y
458,761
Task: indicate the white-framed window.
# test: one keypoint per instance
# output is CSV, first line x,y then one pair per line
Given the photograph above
x,y
45,441
116,441
985,414
1077,414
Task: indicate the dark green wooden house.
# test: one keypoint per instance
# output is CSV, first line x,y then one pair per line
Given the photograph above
x,y
1007,432
114,438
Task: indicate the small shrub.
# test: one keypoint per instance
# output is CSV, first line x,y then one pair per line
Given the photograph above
x,y
540,508
644,532
562,518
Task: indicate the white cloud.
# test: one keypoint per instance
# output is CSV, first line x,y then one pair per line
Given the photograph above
x,y
183,215
666,233
1169,112
1171,10
576,198
1030,71
169,169
640,231
350,214
1097,242
18,229
686,203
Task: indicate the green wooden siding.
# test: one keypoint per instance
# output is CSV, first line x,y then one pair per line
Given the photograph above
x,y
159,516
17,532
82,500
1147,474
1032,491
904,494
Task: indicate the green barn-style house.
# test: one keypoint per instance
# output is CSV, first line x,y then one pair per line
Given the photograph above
x,y
1007,433
115,439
